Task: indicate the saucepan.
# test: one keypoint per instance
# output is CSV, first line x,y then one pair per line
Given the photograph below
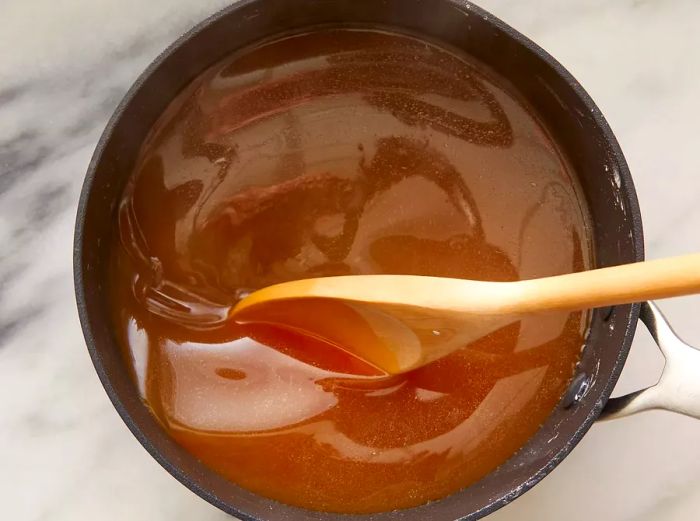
x,y
567,111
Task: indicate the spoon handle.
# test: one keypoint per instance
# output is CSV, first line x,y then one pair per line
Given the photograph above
x,y
636,282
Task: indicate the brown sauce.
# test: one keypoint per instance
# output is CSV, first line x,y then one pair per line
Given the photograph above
x,y
343,152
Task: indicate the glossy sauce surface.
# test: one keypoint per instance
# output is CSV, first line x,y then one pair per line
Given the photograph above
x,y
329,153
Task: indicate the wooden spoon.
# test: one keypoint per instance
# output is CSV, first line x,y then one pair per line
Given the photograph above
x,y
401,322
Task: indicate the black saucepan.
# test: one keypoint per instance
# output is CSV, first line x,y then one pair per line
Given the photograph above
x,y
562,104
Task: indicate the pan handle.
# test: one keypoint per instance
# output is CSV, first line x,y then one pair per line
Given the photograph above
x,y
678,388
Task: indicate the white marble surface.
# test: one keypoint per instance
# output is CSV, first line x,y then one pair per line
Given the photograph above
x,y
65,454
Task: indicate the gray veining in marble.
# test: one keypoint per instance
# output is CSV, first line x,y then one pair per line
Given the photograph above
x,y
64,65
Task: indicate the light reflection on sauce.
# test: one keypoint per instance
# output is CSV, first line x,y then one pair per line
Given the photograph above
x,y
343,152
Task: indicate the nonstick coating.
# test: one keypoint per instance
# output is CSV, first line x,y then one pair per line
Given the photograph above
x,y
563,105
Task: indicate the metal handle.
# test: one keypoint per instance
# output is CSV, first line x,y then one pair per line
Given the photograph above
x,y
678,389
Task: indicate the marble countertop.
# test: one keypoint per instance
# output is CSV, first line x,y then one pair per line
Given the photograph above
x,y
64,452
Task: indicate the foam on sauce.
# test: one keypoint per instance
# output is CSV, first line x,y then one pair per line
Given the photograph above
x,y
331,153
